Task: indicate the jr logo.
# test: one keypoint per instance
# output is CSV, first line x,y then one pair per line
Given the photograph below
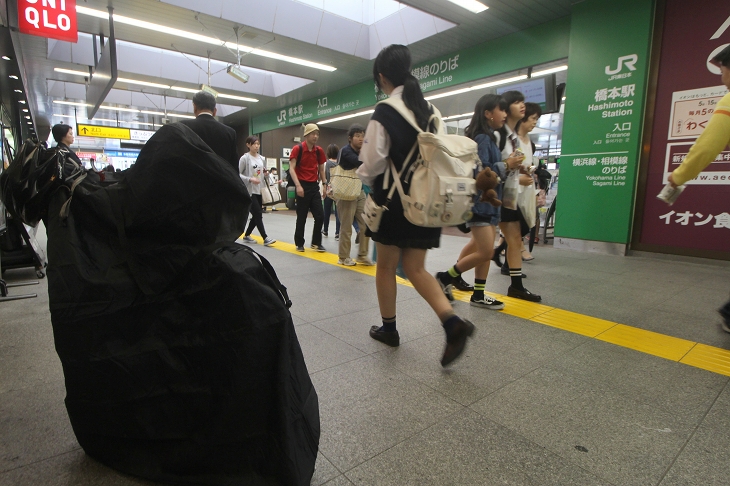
x,y
282,116
628,61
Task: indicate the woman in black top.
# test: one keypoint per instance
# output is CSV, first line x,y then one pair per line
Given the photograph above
x,y
64,136
390,137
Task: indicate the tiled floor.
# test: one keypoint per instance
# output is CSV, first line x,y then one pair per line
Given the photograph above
x,y
528,404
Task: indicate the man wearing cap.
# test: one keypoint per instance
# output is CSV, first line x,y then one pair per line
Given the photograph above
x,y
713,140
220,138
307,171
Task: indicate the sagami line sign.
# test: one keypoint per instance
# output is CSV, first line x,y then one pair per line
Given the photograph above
x,y
55,19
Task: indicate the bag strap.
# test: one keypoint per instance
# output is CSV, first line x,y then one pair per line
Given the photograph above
x,y
398,105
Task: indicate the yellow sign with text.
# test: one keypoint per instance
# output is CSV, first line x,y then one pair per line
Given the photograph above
x,y
103,132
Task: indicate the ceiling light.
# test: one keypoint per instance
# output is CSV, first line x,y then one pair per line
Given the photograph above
x,y
142,83
70,71
478,86
21,102
13,76
29,123
549,71
6,58
152,113
463,115
27,117
25,110
470,5
18,90
185,90
72,103
239,98
116,108
180,116
332,120
236,72
208,89
120,19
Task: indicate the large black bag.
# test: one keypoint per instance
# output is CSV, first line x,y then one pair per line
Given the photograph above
x,y
179,353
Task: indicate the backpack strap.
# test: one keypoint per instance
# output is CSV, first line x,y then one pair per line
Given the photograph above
x,y
398,105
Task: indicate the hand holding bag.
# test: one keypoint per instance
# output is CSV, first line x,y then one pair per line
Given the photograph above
x,y
373,212
270,194
526,201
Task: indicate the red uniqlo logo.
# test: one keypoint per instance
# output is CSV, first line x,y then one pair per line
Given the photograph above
x,y
55,19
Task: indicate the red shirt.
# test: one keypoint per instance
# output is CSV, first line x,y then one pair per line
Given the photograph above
x,y
308,167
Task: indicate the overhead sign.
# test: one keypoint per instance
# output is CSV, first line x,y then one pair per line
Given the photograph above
x,y
55,19
103,132
99,131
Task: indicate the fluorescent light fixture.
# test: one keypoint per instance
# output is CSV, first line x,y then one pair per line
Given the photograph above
x,y
6,58
27,117
72,103
478,86
454,117
185,90
21,102
25,110
29,123
120,19
208,89
18,90
339,118
470,5
549,71
13,76
142,83
152,113
239,98
237,73
116,108
174,115
71,71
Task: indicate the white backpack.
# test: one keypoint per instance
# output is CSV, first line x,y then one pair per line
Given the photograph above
x,y
441,178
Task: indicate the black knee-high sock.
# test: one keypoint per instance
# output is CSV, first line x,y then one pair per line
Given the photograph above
x,y
388,324
516,276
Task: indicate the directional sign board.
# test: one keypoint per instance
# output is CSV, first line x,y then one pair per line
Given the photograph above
x,y
113,132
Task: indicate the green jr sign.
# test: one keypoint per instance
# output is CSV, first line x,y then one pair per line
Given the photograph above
x,y
609,62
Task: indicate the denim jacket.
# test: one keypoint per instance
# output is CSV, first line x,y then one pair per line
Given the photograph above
x,y
491,157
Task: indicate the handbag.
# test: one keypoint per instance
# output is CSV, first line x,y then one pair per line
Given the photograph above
x,y
373,212
511,190
526,202
346,185
270,195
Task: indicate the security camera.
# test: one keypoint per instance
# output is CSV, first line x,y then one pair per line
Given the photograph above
x,y
236,72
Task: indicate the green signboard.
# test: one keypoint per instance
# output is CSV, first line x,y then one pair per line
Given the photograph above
x,y
537,45
609,62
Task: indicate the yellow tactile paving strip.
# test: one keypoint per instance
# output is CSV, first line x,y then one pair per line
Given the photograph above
x,y
710,358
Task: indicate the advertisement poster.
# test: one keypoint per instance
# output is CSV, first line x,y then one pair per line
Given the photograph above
x,y
687,91
609,46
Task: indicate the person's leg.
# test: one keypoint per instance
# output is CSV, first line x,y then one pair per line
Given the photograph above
x,y
315,206
260,223
346,209
337,222
302,211
385,283
513,236
327,213
362,252
481,246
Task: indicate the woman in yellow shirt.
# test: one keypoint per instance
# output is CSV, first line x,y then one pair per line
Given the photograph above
x,y
712,141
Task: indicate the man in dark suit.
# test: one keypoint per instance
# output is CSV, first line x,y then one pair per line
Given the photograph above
x,y
220,138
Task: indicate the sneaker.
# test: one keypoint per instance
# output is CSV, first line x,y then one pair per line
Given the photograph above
x,y
319,248
248,239
391,338
486,302
337,237
447,289
268,241
348,262
460,284
300,248
324,233
365,261
523,294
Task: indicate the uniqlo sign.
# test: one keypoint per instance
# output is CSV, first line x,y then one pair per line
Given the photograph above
x,y
55,19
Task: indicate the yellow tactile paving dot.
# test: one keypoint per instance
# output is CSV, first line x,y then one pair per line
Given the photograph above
x,y
694,354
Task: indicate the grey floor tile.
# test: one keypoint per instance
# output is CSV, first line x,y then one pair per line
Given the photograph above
x,y
339,481
367,407
608,434
469,450
704,461
322,350
673,387
503,349
70,469
324,471
703,327
34,426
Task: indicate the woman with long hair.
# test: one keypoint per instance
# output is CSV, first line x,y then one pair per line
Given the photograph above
x,y
389,137
489,115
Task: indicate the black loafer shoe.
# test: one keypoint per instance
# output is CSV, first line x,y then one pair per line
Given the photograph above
x,y
523,294
496,259
456,341
460,284
391,338
505,271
